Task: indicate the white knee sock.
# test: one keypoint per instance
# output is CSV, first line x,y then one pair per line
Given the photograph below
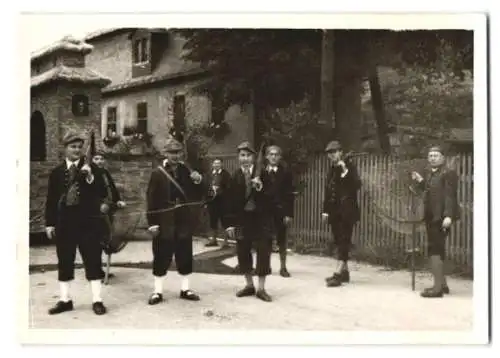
x,y
158,284
64,287
96,285
185,283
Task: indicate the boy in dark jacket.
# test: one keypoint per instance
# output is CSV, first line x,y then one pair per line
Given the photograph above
x,y
248,209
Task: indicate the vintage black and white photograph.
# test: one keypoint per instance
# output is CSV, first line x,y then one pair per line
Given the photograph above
x,y
245,179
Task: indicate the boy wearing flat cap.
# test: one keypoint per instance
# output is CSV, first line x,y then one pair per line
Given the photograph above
x,y
171,187
340,207
73,210
247,208
439,186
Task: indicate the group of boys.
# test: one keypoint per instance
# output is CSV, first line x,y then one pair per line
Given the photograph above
x,y
254,205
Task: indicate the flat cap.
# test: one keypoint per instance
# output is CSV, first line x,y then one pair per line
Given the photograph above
x,y
333,146
246,146
436,148
101,153
72,137
172,145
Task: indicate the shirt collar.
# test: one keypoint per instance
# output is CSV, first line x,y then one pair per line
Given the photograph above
x,y
69,163
217,171
274,168
244,168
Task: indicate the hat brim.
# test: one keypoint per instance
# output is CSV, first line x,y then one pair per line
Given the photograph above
x,y
75,140
247,150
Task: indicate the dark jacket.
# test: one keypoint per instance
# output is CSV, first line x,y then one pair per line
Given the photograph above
x,y
91,195
113,191
162,194
236,199
341,200
439,189
280,190
222,181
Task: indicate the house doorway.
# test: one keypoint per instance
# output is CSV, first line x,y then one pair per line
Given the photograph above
x,y
38,151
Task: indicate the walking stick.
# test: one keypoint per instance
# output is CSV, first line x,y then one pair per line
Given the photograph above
x,y
108,264
108,258
413,240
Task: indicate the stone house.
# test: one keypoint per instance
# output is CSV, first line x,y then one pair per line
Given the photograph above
x,y
152,88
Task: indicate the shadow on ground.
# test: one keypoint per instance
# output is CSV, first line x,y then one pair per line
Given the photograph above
x,y
210,262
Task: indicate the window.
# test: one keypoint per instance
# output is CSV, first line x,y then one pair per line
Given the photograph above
x,y
179,112
142,117
141,50
111,127
80,105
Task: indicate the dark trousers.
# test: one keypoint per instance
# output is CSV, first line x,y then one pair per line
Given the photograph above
x,y
280,230
215,212
178,244
77,230
436,239
255,234
342,237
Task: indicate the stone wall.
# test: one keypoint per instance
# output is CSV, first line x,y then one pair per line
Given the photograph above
x,y
131,178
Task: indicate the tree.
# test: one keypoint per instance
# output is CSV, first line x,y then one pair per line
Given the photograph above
x,y
275,67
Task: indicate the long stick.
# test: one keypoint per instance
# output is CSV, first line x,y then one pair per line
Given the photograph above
x,y
108,264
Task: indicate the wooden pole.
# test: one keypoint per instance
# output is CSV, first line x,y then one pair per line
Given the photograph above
x,y
378,110
327,63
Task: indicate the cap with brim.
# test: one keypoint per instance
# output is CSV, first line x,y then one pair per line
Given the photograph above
x,y
173,146
72,137
333,146
436,148
246,146
101,153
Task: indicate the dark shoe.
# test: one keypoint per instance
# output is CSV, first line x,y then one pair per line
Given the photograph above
x,y
189,295
432,293
344,276
262,295
155,298
446,289
334,282
61,307
225,245
284,273
212,243
98,308
246,292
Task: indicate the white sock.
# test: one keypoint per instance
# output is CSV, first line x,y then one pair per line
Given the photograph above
x,y
185,283
64,287
95,285
158,284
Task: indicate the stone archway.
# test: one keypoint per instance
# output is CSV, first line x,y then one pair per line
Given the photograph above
x,y
38,150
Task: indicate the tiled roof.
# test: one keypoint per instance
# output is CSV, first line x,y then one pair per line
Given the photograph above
x,y
145,80
68,43
71,74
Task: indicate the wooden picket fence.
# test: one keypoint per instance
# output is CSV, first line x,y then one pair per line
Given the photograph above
x,y
389,211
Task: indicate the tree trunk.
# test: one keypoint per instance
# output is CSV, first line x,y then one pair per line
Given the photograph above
x,y
349,63
378,110
327,66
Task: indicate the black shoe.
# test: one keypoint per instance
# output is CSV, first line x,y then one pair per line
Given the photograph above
x,y
262,295
155,298
344,276
61,307
98,308
212,243
284,273
225,246
246,292
432,293
334,282
189,295
446,289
